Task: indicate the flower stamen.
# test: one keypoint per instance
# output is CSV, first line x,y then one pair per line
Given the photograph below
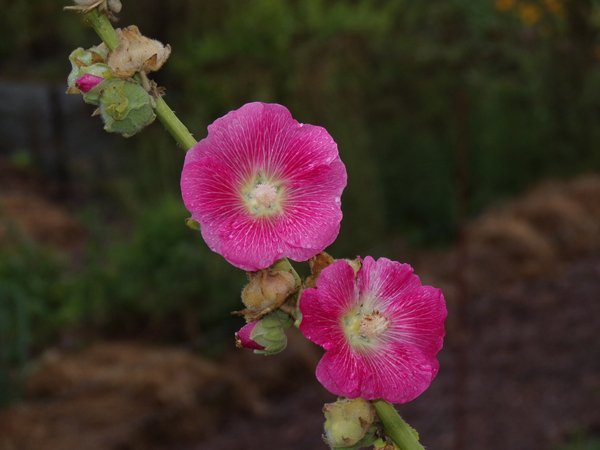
x,y
263,197
364,327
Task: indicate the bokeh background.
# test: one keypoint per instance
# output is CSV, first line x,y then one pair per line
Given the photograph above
x,y
470,130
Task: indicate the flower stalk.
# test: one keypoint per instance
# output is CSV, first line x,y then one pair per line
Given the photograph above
x,y
403,435
104,29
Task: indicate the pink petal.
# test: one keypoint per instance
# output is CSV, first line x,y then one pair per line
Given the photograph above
x,y
323,306
385,279
244,337
396,373
88,82
417,312
313,213
417,318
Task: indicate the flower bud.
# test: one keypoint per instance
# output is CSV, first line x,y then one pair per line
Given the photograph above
x,y
115,6
88,82
317,263
88,62
125,107
347,422
267,290
267,335
137,53
243,338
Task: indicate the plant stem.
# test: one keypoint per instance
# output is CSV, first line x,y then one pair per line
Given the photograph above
x,y
102,26
173,125
403,435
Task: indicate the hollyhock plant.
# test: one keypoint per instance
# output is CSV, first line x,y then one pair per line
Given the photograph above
x,y
380,327
263,187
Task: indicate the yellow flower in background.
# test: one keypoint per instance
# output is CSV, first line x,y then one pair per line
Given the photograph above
x,y
505,5
529,14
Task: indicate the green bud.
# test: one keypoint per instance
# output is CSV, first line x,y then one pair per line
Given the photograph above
x,y
269,332
192,224
125,107
347,423
91,61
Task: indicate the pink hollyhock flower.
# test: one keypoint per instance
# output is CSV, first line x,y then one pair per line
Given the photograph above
x,y
88,82
263,186
380,327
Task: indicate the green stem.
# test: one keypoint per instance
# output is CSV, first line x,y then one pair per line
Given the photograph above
x,y
173,125
403,435
102,26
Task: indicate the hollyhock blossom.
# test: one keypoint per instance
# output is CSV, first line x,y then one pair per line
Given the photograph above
x,y
380,327
263,187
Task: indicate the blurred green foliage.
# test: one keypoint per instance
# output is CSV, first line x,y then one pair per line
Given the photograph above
x,y
156,280
433,104
582,441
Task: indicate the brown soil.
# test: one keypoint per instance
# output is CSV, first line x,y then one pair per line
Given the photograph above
x,y
29,211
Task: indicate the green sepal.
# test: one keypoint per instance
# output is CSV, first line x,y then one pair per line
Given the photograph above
x,y
269,332
126,107
366,441
192,224
349,424
91,61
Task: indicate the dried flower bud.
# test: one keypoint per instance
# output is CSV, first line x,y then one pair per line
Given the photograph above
x,y
137,53
268,289
115,6
347,422
125,107
317,263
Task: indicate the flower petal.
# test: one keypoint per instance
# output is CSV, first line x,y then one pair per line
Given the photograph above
x,y
322,307
396,373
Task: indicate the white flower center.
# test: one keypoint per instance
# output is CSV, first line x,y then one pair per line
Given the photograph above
x,y
373,325
263,197
364,326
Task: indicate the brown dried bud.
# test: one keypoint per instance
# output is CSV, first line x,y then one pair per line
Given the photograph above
x,y
267,290
317,263
137,53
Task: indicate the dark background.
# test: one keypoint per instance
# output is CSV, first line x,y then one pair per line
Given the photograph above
x,y
470,133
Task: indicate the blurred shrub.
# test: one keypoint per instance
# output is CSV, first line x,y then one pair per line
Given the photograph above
x,y
161,280
157,281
